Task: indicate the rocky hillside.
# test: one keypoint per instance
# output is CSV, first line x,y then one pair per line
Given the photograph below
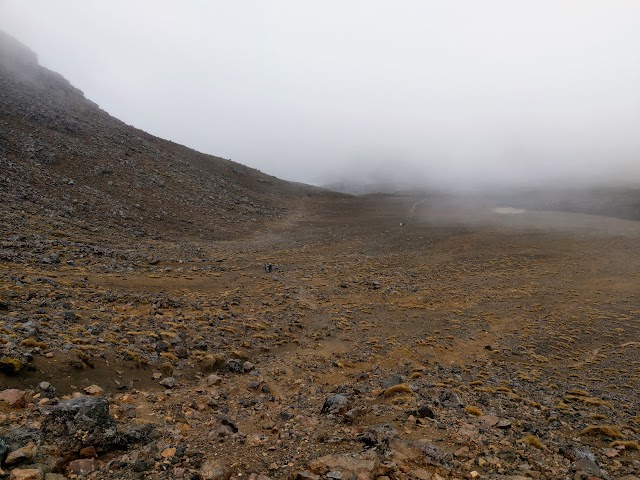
x,y
65,160
393,337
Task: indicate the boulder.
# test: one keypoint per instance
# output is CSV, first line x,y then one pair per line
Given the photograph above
x,y
81,422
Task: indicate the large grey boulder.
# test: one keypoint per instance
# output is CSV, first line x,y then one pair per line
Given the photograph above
x,y
81,422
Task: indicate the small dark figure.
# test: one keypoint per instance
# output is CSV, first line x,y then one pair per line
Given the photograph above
x,y
268,268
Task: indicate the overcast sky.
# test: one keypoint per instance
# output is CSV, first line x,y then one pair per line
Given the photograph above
x,y
452,91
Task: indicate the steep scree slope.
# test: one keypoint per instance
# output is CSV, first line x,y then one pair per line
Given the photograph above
x,y
67,162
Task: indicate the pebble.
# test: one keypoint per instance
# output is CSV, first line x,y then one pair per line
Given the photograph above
x,y
141,466
392,380
82,466
88,452
489,420
215,470
503,424
21,454
168,382
94,391
13,397
54,476
337,405
235,365
47,390
168,452
451,399
255,439
248,366
26,474
587,465
346,465
305,475
419,474
258,476
423,411
181,351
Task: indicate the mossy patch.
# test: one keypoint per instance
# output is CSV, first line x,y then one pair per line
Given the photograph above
x,y
602,430
397,389
533,441
628,445
10,365
471,410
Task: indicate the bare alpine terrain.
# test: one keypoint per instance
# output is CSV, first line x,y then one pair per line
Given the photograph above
x,y
169,314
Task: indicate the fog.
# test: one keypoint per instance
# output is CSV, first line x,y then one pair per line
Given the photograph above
x,y
450,93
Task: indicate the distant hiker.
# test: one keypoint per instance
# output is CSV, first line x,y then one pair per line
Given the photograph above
x,y
268,268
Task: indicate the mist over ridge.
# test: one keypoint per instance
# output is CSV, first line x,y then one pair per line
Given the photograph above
x,y
457,95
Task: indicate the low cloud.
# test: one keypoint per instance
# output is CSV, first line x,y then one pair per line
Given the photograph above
x,y
457,94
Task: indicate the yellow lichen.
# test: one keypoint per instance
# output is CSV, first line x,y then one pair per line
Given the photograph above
x,y
32,342
628,445
10,365
471,410
533,441
603,430
169,356
396,389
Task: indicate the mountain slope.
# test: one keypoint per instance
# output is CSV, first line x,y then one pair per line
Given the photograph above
x,y
63,158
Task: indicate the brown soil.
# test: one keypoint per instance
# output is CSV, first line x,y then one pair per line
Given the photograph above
x,y
513,312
